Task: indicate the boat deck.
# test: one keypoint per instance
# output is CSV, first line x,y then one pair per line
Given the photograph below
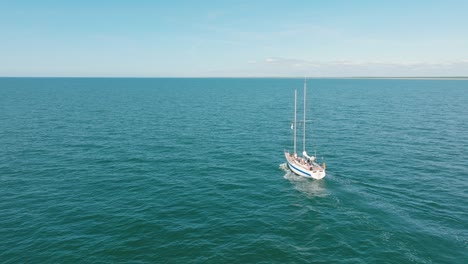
x,y
310,166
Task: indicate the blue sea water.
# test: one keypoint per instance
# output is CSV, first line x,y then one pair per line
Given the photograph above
x,y
192,170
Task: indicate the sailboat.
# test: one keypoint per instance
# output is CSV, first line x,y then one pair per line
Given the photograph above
x,y
306,165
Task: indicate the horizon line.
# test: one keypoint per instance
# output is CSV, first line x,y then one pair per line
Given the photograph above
x,y
242,77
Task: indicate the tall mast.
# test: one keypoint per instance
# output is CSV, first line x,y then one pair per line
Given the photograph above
x,y
295,119
303,140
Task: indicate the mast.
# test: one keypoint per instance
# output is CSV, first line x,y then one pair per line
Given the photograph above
x,y
295,118
303,140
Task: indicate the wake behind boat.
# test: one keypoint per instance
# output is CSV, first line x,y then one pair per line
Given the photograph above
x,y
306,165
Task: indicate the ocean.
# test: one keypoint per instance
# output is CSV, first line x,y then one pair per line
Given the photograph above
x,y
191,170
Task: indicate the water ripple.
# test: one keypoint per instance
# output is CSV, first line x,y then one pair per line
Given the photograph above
x,y
186,170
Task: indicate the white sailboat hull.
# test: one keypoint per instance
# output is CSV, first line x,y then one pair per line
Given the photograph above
x,y
308,170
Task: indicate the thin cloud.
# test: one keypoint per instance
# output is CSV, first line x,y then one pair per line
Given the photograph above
x,y
290,61
292,66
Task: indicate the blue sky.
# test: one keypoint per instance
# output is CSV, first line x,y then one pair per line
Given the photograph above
x,y
233,38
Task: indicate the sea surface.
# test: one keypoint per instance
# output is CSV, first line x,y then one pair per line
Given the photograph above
x,y
117,170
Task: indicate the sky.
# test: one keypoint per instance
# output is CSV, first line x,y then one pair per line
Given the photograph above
x,y
253,38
